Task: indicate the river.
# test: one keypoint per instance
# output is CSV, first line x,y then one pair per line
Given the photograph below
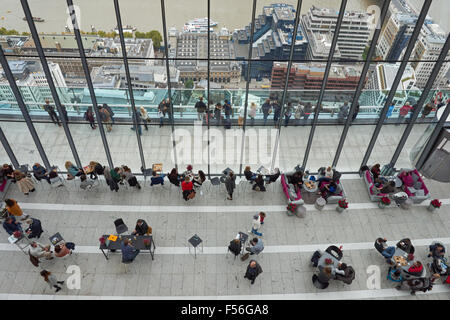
x,y
146,15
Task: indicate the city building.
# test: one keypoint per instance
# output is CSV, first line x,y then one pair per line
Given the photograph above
x,y
354,34
320,45
195,46
32,82
271,41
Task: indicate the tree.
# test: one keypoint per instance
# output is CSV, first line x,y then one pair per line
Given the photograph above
x,y
127,35
156,38
366,51
189,84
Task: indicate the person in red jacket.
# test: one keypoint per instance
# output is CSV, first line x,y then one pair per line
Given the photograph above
x,y
403,113
416,269
188,187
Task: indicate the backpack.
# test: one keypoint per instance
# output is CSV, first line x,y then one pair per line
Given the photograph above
x,y
99,169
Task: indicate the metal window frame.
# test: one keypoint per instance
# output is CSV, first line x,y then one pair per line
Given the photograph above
x,y
247,84
361,83
324,81
286,82
48,76
208,99
409,49
129,84
87,75
8,149
23,108
169,85
436,68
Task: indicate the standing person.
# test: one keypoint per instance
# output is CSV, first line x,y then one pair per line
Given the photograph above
x,y
201,108
25,184
256,224
129,253
35,228
426,110
64,116
168,106
307,112
287,113
110,111
276,112
39,251
14,209
138,121
217,112
230,184
162,108
355,114
51,112
241,116
262,216
105,116
253,270
89,116
403,113
252,113
228,110
343,112
51,280
145,117
113,185
266,109
299,112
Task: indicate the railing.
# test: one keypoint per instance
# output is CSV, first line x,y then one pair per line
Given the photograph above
x,y
77,100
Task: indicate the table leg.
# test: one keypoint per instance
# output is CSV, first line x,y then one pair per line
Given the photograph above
x,y
104,254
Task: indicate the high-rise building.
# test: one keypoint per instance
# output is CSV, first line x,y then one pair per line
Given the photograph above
x,y
272,40
354,34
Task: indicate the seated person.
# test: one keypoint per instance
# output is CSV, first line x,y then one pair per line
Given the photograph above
x,y
437,251
130,177
256,246
324,275
375,170
85,183
11,225
381,244
235,246
157,178
199,179
72,170
7,171
35,229
273,177
406,245
187,187
54,178
40,172
129,253
340,270
188,171
387,188
141,228
259,184
329,173
61,250
328,190
39,251
416,269
174,177
249,175
297,180
394,275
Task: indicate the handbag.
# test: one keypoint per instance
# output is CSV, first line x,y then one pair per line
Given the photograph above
x,y
245,256
34,260
191,195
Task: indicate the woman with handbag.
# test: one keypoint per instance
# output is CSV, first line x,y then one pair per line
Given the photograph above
x,y
145,117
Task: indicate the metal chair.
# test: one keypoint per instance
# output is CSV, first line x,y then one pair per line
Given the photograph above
x,y
146,173
121,227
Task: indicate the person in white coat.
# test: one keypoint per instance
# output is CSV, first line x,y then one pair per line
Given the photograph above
x,y
256,225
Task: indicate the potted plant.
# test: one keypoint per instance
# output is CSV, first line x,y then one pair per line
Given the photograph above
x,y
384,202
434,204
291,209
342,205
102,240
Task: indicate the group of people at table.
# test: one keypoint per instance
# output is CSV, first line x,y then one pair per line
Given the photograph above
x,y
409,273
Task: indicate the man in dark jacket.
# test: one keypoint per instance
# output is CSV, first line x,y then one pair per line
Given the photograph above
x,y
129,253
11,225
276,112
265,108
35,228
51,112
253,270
235,246
141,228
64,114
201,108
